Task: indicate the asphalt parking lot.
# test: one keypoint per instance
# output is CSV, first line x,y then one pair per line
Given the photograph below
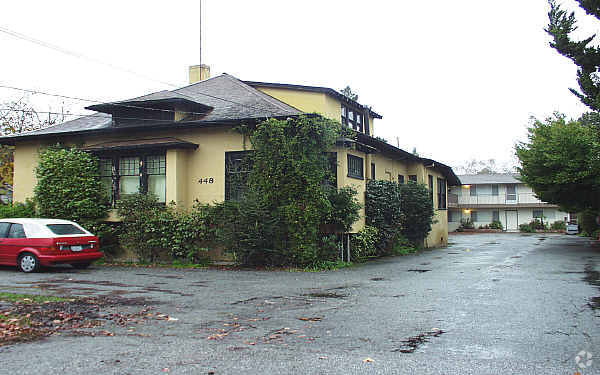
x,y
487,304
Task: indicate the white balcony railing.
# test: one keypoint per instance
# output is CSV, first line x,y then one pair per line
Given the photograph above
x,y
489,199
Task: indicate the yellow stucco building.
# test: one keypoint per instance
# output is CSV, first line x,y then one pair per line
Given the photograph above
x,y
180,144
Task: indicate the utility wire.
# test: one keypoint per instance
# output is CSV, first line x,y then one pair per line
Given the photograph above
x,y
77,54
82,56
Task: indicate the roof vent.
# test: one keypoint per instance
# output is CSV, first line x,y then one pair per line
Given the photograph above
x,y
199,73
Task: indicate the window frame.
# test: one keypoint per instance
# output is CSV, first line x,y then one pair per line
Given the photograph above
x,y
442,196
495,215
359,121
373,174
358,161
495,190
115,159
541,210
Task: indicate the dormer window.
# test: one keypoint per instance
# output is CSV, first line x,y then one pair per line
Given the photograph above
x,y
354,118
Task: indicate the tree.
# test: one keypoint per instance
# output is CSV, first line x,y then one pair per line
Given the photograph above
x,y
347,92
18,117
68,186
585,56
561,162
488,166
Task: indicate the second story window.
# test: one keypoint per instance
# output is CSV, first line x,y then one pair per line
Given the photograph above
x,y
473,190
495,190
400,179
353,118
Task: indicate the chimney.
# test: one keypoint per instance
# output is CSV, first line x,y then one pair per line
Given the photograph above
x,y
199,73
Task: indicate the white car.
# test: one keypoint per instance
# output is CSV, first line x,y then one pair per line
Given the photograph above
x,y
572,229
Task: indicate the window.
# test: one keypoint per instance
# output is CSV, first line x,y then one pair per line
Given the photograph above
x,y
473,216
430,181
538,214
61,229
400,179
453,216
354,119
237,168
331,179
134,174
441,193
16,231
495,190
373,171
355,167
473,190
412,178
495,215
156,169
4,229
129,175
511,192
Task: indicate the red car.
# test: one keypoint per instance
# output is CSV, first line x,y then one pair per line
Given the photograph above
x,y
32,243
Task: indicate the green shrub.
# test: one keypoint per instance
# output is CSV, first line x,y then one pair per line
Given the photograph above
x,y
587,222
345,209
403,246
383,209
108,234
537,224
153,231
18,210
466,224
558,225
526,228
68,186
418,213
495,225
364,243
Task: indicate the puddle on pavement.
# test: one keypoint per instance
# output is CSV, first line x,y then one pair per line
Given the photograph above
x,y
453,253
492,243
325,295
377,279
418,270
593,278
413,343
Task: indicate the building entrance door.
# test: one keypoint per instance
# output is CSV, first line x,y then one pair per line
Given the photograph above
x,y
512,220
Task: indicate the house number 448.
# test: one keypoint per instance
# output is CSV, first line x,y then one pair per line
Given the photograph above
x,y
207,180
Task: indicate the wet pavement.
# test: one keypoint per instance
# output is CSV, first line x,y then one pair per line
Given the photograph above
x,y
487,304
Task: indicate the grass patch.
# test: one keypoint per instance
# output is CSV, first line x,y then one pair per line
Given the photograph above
x,y
30,298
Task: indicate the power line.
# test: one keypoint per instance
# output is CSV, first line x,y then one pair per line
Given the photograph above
x,y
97,61
78,55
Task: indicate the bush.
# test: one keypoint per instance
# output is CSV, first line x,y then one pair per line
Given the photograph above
x,y
153,231
526,228
418,213
383,209
536,224
496,225
18,210
466,224
364,243
402,246
558,225
68,186
345,210
587,222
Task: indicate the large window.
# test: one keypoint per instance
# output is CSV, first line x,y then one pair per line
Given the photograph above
x,y
495,215
355,167
474,216
237,168
511,192
130,174
400,179
373,172
412,178
430,182
495,190
441,193
473,190
538,214
355,119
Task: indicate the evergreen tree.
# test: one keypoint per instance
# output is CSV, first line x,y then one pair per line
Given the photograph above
x,y
585,56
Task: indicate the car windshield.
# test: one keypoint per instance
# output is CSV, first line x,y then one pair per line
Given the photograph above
x,y
61,229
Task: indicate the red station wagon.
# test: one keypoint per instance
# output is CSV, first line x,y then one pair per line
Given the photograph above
x,y
32,243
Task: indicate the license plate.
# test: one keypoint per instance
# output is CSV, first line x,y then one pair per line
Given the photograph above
x,y
76,248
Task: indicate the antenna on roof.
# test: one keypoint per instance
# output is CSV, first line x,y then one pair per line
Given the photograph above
x,y
200,22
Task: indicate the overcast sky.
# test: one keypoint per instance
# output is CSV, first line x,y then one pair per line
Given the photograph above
x,y
455,79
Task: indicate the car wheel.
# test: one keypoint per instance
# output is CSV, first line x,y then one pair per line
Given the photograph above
x,y
29,263
81,266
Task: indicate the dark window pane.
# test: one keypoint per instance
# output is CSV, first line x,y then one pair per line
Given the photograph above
x,y
495,215
473,216
373,171
400,179
64,229
355,166
237,168
4,229
16,231
473,190
494,189
538,214
412,178
441,193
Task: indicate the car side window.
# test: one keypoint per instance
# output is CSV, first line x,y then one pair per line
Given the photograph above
x,y
16,231
4,230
